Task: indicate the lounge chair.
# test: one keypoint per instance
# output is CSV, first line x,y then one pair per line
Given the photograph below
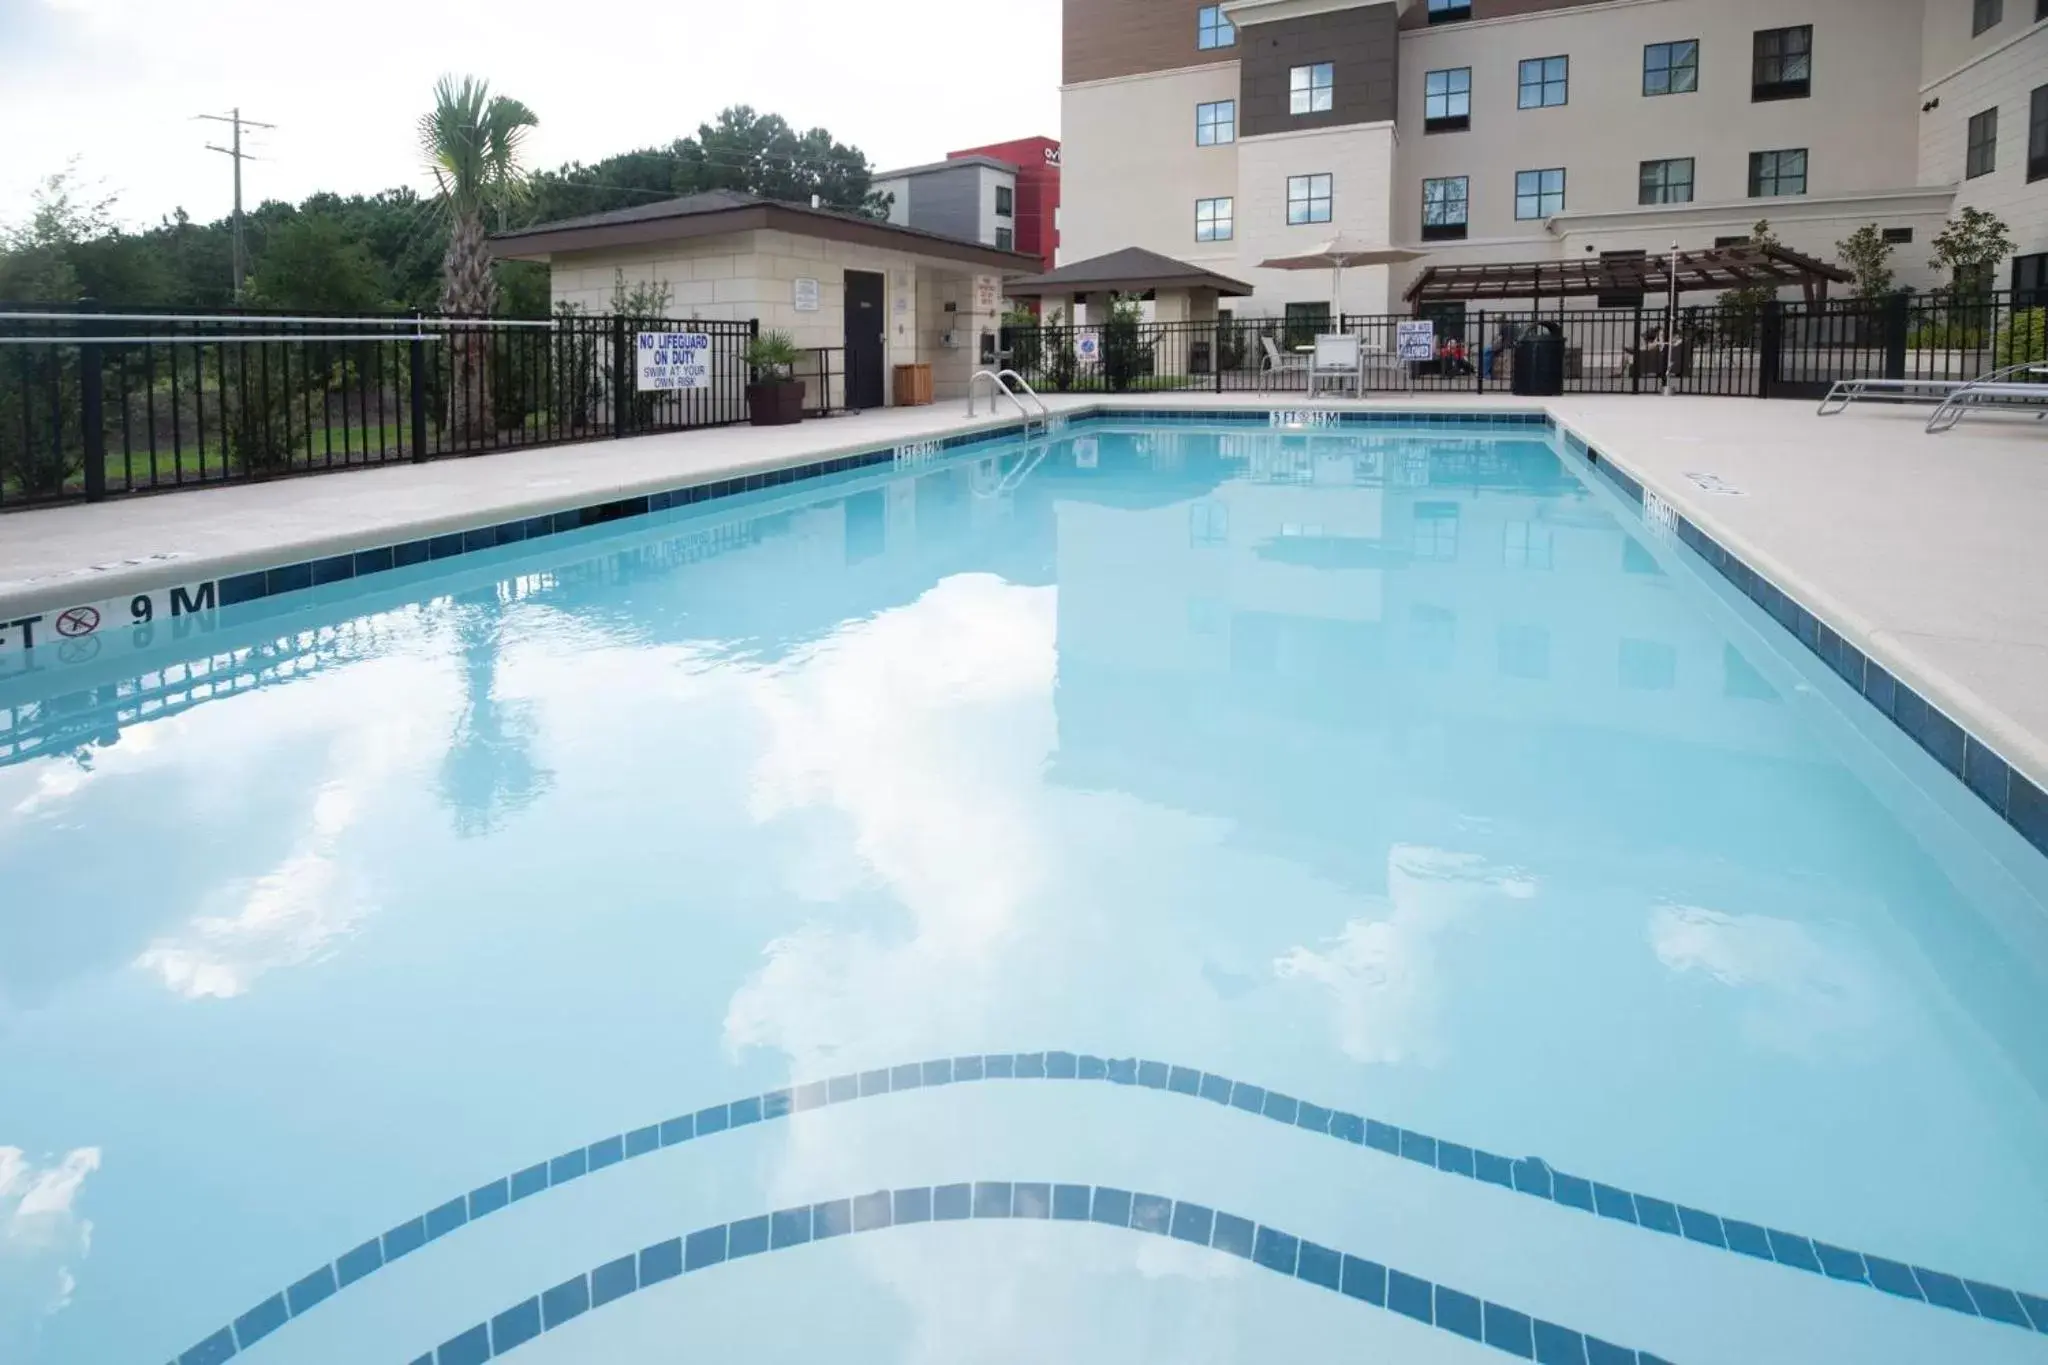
x,y
2000,388
1935,391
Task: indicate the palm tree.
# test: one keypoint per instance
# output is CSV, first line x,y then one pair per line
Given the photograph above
x,y
472,141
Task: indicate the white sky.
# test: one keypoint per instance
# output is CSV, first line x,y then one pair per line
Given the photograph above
x,y
116,83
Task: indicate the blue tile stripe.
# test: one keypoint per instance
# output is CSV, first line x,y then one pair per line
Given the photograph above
x,y
1368,1282
1998,784
1530,1176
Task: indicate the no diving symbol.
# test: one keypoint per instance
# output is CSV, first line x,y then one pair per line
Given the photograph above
x,y
77,622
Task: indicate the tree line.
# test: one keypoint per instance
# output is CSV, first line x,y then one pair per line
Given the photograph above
x,y
391,250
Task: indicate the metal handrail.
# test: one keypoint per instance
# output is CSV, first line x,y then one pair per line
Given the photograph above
x,y
1025,384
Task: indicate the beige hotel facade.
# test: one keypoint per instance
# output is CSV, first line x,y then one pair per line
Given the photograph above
x,y
1509,130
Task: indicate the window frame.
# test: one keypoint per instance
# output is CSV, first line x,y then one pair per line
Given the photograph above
x,y
1986,15
1773,63
1308,198
1671,67
1006,201
1447,122
1309,82
1304,320
1457,11
1542,194
2037,132
1226,217
1777,176
1980,143
1213,29
1215,122
1667,183
1446,229
2027,294
1543,82
1010,233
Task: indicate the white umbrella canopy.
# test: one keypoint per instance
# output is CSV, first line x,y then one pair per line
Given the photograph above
x,y
1339,254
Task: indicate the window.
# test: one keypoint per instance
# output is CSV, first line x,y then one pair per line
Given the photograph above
x,y
1308,199
1310,88
1985,14
1304,323
1539,194
1212,29
1450,11
1447,100
1739,239
1006,202
1447,317
1215,124
1006,239
1213,219
1665,182
2030,280
1543,82
1982,158
1436,530
1443,208
1671,68
1773,175
1526,545
1782,68
2037,134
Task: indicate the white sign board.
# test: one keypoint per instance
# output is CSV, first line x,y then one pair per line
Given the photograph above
x,y
1089,348
805,299
1415,340
673,360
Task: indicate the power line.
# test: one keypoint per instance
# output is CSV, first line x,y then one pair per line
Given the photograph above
x,y
234,117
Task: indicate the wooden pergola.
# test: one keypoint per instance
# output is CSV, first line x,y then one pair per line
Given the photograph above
x,y
1618,274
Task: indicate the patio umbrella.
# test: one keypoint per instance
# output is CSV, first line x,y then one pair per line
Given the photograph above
x,y
1336,256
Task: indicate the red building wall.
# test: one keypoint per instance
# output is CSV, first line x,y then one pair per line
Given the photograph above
x,y
1037,160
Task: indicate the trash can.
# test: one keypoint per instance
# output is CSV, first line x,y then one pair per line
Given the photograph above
x,y
1539,362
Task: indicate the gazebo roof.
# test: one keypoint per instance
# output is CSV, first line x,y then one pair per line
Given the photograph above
x,y
1730,267
1130,271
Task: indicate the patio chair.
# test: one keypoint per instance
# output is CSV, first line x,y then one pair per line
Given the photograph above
x,y
1338,359
1279,362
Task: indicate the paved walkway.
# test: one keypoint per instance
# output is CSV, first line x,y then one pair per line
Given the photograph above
x,y
1925,552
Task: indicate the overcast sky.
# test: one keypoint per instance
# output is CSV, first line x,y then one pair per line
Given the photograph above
x,y
116,83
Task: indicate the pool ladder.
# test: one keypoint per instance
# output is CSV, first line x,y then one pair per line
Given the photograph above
x,y
1000,382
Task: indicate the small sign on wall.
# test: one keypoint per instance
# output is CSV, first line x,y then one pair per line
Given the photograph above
x,y
986,293
667,361
805,296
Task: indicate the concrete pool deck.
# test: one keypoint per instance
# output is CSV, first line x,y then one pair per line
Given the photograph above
x,y
1925,552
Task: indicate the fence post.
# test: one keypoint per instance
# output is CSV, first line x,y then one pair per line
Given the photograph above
x,y
1770,348
93,417
1216,354
417,364
1893,322
619,401
1479,370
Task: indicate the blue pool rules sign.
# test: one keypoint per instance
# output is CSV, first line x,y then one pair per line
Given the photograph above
x,y
673,360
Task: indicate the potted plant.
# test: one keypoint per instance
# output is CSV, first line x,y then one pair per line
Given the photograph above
x,y
775,398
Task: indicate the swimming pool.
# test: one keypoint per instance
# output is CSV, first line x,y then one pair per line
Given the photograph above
x,y
1172,891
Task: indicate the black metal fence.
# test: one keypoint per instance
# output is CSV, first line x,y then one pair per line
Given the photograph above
x,y
93,404
1791,350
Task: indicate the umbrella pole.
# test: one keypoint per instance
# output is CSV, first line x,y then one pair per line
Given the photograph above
x,y
1337,297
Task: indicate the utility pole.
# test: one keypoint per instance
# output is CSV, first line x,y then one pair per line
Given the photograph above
x,y
235,152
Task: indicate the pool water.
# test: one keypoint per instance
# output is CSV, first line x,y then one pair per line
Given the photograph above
x,y
1376,836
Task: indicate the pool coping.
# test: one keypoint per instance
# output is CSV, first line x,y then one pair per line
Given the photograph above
x,y
2008,771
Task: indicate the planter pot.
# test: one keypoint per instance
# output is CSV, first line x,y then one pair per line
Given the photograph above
x,y
775,403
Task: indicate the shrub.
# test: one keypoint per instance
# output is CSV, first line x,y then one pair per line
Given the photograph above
x,y
2024,339
1123,351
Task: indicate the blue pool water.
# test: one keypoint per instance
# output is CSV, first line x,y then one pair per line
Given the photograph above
x,y
1172,894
